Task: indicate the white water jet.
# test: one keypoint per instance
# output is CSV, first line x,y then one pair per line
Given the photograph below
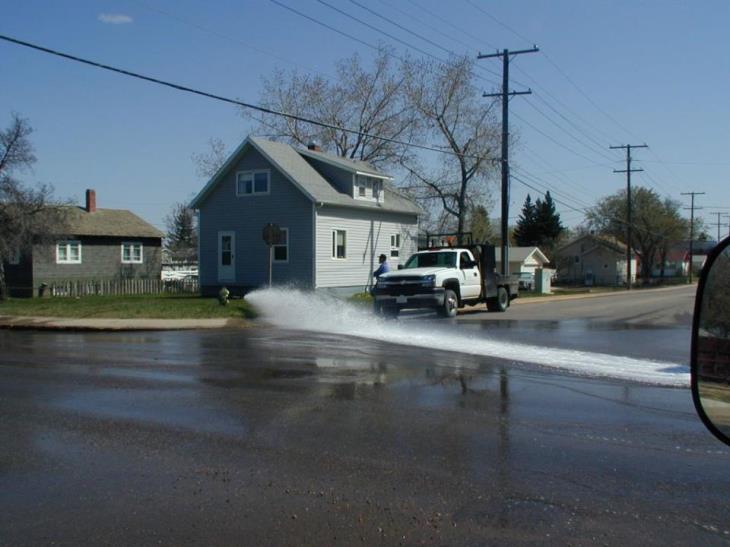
x,y
299,310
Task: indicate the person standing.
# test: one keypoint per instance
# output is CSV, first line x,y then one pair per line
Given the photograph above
x,y
383,268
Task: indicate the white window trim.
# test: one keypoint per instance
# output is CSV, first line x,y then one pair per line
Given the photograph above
x,y
274,260
396,247
368,181
253,173
131,254
334,244
68,244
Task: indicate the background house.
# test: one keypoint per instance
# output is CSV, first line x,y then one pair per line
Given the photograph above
x,y
98,245
593,260
336,216
522,259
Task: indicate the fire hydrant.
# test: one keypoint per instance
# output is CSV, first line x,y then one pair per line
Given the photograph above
x,y
223,295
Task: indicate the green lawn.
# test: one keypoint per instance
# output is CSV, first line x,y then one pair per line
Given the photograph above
x,y
125,307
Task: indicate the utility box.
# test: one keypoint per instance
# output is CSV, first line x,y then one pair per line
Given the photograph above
x,y
543,276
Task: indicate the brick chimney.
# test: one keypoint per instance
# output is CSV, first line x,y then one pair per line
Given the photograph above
x,y
314,145
90,201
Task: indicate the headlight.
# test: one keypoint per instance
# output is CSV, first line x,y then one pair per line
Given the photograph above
x,y
428,280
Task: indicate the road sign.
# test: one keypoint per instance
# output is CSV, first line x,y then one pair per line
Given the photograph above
x,y
272,234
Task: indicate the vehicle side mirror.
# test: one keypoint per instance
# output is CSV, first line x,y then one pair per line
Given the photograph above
x,y
710,365
400,266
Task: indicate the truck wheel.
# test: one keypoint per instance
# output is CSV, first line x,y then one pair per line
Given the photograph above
x,y
450,305
500,302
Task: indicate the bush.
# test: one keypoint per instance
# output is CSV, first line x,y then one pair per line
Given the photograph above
x,y
361,298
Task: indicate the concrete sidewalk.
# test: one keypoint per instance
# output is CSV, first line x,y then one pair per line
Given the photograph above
x,y
97,324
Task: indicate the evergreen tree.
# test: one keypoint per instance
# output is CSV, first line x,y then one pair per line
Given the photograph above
x,y
547,221
525,233
479,225
182,234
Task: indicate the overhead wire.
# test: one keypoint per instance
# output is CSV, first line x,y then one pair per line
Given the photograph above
x,y
228,100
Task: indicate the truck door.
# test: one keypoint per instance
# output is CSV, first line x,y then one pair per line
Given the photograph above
x,y
472,281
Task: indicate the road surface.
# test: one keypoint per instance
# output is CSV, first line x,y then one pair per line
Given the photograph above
x,y
286,437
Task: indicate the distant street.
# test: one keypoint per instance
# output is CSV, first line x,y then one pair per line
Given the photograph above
x,y
671,306
280,437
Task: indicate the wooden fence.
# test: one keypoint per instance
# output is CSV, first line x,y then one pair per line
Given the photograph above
x,y
120,287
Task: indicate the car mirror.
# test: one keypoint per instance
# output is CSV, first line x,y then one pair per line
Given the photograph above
x,y
710,366
400,266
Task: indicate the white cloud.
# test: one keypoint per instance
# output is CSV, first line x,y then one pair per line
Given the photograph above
x,y
115,18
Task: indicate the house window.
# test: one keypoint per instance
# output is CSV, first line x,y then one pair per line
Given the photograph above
x,y
14,259
395,245
339,242
68,252
252,182
131,253
281,249
361,189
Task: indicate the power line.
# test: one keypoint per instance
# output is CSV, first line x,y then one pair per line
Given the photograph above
x,y
628,171
553,139
571,135
236,102
413,33
692,227
505,95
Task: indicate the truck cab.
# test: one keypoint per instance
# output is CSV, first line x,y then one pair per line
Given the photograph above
x,y
444,279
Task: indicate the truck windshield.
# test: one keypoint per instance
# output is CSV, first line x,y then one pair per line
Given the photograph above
x,y
447,259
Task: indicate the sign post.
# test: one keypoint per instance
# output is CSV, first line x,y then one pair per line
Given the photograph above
x,y
271,235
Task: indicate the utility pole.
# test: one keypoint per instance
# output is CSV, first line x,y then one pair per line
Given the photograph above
x,y
692,227
505,94
628,171
719,215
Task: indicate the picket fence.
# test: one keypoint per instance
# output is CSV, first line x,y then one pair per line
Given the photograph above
x,y
120,287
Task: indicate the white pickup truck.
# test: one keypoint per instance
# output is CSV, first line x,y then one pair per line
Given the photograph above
x,y
445,279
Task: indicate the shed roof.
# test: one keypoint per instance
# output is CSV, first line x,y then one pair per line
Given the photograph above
x,y
107,222
520,254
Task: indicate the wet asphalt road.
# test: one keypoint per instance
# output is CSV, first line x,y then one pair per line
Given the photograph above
x,y
265,436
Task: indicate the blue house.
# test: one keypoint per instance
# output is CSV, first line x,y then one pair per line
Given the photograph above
x,y
336,217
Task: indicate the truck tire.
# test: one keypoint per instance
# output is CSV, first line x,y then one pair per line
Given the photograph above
x,y
450,305
500,302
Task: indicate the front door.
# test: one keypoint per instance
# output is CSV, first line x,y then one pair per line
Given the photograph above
x,y
226,256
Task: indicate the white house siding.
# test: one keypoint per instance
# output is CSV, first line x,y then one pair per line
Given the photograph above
x,y
368,236
246,216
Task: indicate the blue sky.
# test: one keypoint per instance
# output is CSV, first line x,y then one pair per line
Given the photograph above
x,y
608,73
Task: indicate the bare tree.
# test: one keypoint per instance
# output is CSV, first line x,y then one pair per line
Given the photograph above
x,y
27,215
208,163
453,117
369,100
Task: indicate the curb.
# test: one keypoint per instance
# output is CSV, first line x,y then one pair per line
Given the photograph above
x,y
115,325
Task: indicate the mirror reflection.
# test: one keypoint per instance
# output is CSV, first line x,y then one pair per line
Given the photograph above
x,y
713,344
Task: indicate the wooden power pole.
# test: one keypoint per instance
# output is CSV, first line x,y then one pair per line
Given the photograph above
x,y
628,171
505,94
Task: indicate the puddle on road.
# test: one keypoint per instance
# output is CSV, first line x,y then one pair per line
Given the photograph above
x,y
298,310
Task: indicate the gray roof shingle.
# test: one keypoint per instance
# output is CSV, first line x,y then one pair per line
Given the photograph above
x,y
290,162
107,222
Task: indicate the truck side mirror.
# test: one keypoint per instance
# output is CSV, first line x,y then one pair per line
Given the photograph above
x,y
400,266
710,365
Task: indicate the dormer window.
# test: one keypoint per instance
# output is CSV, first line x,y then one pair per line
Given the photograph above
x,y
368,188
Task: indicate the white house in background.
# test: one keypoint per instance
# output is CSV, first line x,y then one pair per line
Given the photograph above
x,y
336,215
522,259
